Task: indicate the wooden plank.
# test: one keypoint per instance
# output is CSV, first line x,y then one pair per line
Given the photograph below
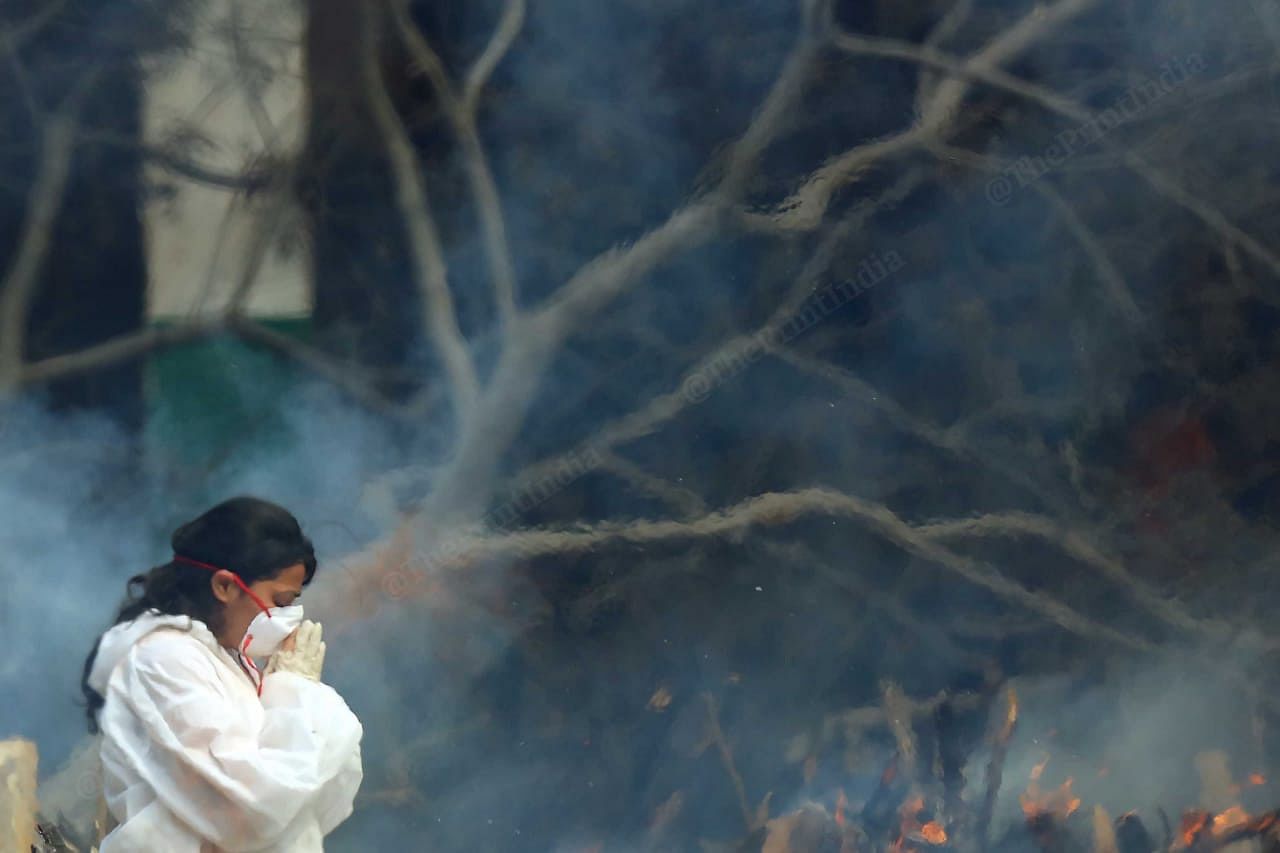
x,y
18,806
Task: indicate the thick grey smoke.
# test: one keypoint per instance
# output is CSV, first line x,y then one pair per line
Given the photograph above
x,y
516,708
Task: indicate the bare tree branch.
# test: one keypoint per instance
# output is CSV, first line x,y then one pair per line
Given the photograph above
x,y
685,501
817,190
950,24
118,350
1079,547
45,200
1040,22
249,181
745,153
1116,287
664,407
271,219
13,38
430,274
842,577
22,82
781,508
254,177
461,113
352,379
605,276
265,233
244,63
946,440
1205,212
805,208
465,483
962,69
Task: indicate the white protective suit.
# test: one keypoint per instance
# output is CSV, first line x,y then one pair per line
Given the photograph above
x,y
195,762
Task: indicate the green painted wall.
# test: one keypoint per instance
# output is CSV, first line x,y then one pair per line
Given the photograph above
x,y
206,399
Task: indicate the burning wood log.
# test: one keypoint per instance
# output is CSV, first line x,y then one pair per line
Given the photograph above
x,y
1104,832
1132,835
913,811
877,816
1224,835
995,770
18,806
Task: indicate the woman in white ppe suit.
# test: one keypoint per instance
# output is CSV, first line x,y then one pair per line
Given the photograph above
x,y
205,749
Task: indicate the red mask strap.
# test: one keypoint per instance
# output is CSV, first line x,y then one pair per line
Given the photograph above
x,y
251,668
178,558
256,677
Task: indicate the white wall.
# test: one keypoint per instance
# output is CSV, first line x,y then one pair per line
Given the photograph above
x,y
198,236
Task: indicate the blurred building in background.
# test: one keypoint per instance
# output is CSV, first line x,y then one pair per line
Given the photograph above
x,y
235,101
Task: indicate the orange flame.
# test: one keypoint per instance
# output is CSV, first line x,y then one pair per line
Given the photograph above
x,y
1061,802
1193,823
1010,718
934,833
911,831
1197,823
1229,819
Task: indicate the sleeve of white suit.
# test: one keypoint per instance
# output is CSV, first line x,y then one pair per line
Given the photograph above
x,y
238,785
285,693
336,800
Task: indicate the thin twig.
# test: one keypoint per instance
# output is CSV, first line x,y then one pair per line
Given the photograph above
x,y
513,12
683,500
948,440
726,758
1112,279
249,181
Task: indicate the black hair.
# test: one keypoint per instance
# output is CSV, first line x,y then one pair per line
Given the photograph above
x,y
252,537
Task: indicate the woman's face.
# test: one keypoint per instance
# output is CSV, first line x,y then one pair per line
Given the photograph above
x,y
238,609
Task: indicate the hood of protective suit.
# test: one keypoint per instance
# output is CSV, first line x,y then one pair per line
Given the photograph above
x,y
118,639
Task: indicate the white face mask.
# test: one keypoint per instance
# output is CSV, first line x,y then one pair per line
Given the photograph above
x,y
269,629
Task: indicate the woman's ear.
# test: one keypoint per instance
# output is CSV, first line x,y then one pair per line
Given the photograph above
x,y
224,586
